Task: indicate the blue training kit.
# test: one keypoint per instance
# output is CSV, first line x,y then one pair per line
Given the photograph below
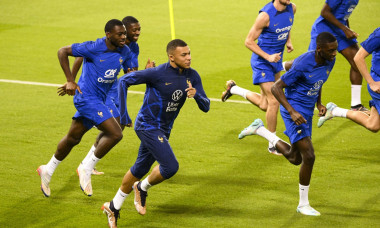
x,y
272,40
164,97
342,11
100,69
304,82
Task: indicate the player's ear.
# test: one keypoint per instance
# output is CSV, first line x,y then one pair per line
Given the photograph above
x,y
108,35
171,57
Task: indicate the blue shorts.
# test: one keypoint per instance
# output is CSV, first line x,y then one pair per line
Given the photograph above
x,y
113,106
154,147
264,71
296,132
91,111
343,42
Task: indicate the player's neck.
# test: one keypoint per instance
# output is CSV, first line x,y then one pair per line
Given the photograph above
x,y
180,70
318,59
110,46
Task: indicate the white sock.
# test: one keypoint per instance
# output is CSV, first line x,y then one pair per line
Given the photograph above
x,y
356,95
271,137
339,112
119,198
91,152
283,66
91,163
52,165
239,91
304,195
269,143
145,185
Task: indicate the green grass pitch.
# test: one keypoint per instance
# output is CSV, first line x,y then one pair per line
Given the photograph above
x,y
222,181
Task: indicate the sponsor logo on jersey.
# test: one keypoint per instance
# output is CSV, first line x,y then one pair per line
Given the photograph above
x,y
177,95
172,107
283,36
316,87
110,73
101,80
275,24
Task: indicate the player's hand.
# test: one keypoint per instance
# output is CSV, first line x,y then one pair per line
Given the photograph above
x,y
62,90
322,109
289,47
150,64
350,34
274,58
375,86
129,124
190,91
71,87
298,118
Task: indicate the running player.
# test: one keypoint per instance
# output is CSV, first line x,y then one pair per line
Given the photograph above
x,y
272,29
372,122
303,86
133,28
103,60
168,85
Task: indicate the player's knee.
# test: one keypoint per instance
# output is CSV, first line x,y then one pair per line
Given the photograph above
x,y
139,172
72,140
309,157
169,170
374,127
117,136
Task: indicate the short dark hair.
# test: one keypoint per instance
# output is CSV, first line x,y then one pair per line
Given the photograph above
x,y
111,24
172,45
129,20
325,38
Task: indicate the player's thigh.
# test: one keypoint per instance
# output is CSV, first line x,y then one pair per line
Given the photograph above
x,y
158,145
350,52
110,126
305,147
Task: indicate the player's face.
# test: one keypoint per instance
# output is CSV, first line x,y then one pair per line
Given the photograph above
x,y
328,51
117,36
133,32
181,57
284,2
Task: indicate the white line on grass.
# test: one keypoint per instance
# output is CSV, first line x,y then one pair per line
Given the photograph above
x,y
129,91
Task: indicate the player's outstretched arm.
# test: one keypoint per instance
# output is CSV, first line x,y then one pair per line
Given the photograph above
x,y
329,16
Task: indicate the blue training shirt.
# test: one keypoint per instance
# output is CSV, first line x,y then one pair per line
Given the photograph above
x,y
304,81
134,62
372,46
100,67
273,38
342,9
164,96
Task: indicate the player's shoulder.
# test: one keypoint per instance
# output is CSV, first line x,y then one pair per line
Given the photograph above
x,y
134,47
304,61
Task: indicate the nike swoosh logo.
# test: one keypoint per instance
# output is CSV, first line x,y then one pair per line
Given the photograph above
x,y
275,24
168,83
311,76
102,60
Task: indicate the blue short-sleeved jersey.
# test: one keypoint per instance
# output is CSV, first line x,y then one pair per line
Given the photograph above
x,y
100,67
372,46
164,96
304,81
112,96
273,38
